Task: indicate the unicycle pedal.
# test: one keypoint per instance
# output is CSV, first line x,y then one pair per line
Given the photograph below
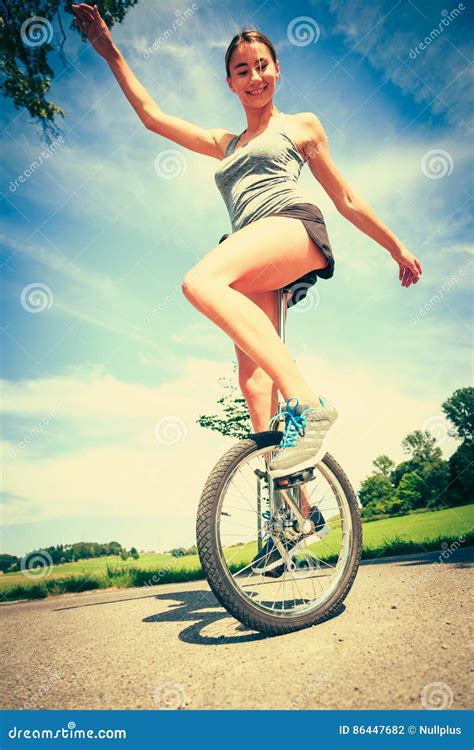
x,y
293,480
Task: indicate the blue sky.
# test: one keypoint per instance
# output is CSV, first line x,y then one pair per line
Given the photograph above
x,y
102,387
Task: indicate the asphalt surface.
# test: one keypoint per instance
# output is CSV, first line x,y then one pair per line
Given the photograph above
x,y
400,641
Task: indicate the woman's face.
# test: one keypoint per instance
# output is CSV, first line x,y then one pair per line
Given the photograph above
x,y
253,74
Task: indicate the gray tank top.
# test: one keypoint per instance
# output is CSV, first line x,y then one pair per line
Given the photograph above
x,y
260,177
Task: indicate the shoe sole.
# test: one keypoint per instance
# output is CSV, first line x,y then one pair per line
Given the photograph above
x,y
308,463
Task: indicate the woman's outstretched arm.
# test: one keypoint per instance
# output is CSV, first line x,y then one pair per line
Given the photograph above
x,y
207,141
348,204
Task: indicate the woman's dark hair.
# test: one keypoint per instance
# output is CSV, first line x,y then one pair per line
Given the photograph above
x,y
247,35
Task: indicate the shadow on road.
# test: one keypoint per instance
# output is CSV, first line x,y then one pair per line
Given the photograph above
x,y
208,615
203,608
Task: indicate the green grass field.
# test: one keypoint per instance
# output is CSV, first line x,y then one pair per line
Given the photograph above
x,y
413,533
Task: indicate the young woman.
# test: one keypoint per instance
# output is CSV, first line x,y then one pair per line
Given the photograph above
x,y
278,239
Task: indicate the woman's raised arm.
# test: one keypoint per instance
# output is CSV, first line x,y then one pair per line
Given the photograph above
x,y
348,204
207,141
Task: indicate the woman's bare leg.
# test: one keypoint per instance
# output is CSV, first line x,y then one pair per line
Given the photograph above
x,y
262,256
257,387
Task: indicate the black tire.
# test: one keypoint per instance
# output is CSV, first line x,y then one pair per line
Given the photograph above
x,y
217,573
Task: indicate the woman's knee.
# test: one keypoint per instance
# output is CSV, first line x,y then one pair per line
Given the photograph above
x,y
197,286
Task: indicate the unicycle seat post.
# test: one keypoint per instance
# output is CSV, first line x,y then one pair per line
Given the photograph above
x,y
282,308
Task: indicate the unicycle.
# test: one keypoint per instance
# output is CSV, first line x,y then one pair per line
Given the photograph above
x,y
241,507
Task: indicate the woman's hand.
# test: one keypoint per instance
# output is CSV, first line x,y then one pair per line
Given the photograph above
x,y
409,266
89,20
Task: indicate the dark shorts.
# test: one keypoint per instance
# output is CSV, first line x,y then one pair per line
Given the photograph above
x,y
313,221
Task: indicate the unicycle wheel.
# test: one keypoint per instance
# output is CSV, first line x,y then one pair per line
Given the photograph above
x,y
238,512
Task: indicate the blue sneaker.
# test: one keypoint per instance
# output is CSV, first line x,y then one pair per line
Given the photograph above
x,y
305,430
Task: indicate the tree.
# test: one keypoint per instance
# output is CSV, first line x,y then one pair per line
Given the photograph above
x,y
422,446
123,554
30,32
7,562
410,491
134,553
427,462
384,465
461,475
376,489
236,421
178,552
114,548
459,408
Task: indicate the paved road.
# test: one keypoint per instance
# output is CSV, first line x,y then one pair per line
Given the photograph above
x,y
405,626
